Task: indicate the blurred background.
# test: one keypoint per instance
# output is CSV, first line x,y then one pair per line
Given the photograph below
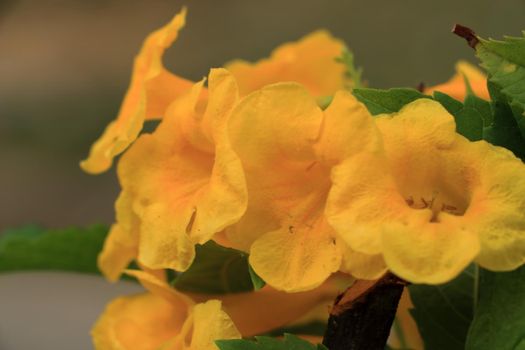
x,y
65,65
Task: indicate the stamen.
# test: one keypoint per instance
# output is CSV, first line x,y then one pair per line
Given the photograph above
x,y
433,205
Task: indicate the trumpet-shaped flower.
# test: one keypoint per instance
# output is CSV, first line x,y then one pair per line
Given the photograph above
x,y
180,185
161,319
311,61
151,90
165,318
288,145
434,201
457,87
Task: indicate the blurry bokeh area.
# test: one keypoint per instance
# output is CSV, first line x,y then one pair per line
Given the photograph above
x,y
65,65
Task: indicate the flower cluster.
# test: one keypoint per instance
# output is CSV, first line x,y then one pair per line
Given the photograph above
x,y
164,318
248,158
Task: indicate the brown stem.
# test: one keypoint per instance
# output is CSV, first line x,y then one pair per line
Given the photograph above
x,y
467,34
362,316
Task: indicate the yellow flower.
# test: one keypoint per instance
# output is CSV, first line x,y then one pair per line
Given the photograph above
x,y
309,61
433,202
161,319
259,312
180,185
151,89
121,245
456,86
288,146
167,319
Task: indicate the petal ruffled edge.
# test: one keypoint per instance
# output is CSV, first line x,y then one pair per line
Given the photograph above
x,y
295,260
146,94
429,253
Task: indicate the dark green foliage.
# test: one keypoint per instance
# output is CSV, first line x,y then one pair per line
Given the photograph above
x,y
469,121
503,130
312,328
499,322
505,63
387,101
34,248
217,270
443,312
290,342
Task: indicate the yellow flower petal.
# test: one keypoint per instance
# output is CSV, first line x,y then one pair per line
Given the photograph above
x,y
456,86
309,61
185,181
348,132
433,200
288,147
121,245
161,288
498,208
348,129
352,209
118,252
141,322
151,89
161,319
259,312
253,312
362,266
429,253
296,258
148,321
210,323
165,244
273,130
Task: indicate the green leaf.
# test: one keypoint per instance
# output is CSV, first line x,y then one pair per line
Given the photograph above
x,y
499,322
504,130
505,63
34,248
290,342
311,328
469,122
481,106
452,105
444,312
478,119
387,101
353,73
257,281
217,270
